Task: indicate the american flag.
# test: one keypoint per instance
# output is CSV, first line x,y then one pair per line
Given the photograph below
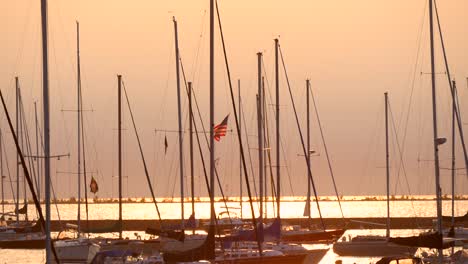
x,y
220,130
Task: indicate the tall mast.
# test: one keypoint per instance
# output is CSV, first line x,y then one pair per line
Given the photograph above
x,y
260,135
454,110
278,167
265,147
437,141
240,149
17,155
79,122
119,131
387,166
21,142
39,179
192,176
212,146
45,87
179,114
308,148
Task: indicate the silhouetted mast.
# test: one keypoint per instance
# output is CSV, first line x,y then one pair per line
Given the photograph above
x,y
437,141
240,148
278,165
78,122
212,165
119,129
192,176
18,116
260,135
387,167
179,114
45,87
38,162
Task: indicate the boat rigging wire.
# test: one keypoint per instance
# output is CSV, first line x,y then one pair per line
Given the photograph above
x,y
141,153
302,139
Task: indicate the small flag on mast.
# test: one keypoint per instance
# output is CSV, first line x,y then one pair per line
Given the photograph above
x,y
93,185
165,145
221,129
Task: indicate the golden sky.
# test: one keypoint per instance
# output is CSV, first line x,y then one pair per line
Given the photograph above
x,y
353,51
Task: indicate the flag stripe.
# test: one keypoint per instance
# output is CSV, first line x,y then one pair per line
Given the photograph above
x,y
221,129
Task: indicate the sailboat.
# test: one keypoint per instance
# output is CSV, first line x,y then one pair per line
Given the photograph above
x,y
82,248
14,235
375,245
310,235
435,238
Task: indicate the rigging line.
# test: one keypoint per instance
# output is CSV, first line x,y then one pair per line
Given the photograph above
x,y
206,138
51,182
284,156
254,220
373,138
84,155
195,62
141,153
248,149
302,139
326,150
400,152
457,114
8,170
266,136
25,137
26,173
56,205
402,165
405,133
19,55
274,114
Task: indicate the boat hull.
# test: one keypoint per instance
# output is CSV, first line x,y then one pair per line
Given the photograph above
x,y
76,251
23,244
312,236
372,249
309,257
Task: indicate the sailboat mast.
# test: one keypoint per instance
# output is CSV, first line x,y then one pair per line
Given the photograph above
x,y
21,142
119,132
437,142
278,168
212,146
387,166
192,176
454,110
79,122
265,146
17,155
45,88
179,114
240,149
39,179
260,135
308,148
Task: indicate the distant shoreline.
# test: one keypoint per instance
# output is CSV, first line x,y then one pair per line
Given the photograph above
x,y
245,199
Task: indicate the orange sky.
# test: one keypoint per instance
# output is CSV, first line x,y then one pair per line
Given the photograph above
x,y
352,51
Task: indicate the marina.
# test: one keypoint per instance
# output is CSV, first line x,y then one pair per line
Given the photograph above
x,y
110,154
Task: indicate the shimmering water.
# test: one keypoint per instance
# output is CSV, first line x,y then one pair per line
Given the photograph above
x,y
288,210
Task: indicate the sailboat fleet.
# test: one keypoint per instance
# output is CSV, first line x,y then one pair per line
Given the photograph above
x,y
257,240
